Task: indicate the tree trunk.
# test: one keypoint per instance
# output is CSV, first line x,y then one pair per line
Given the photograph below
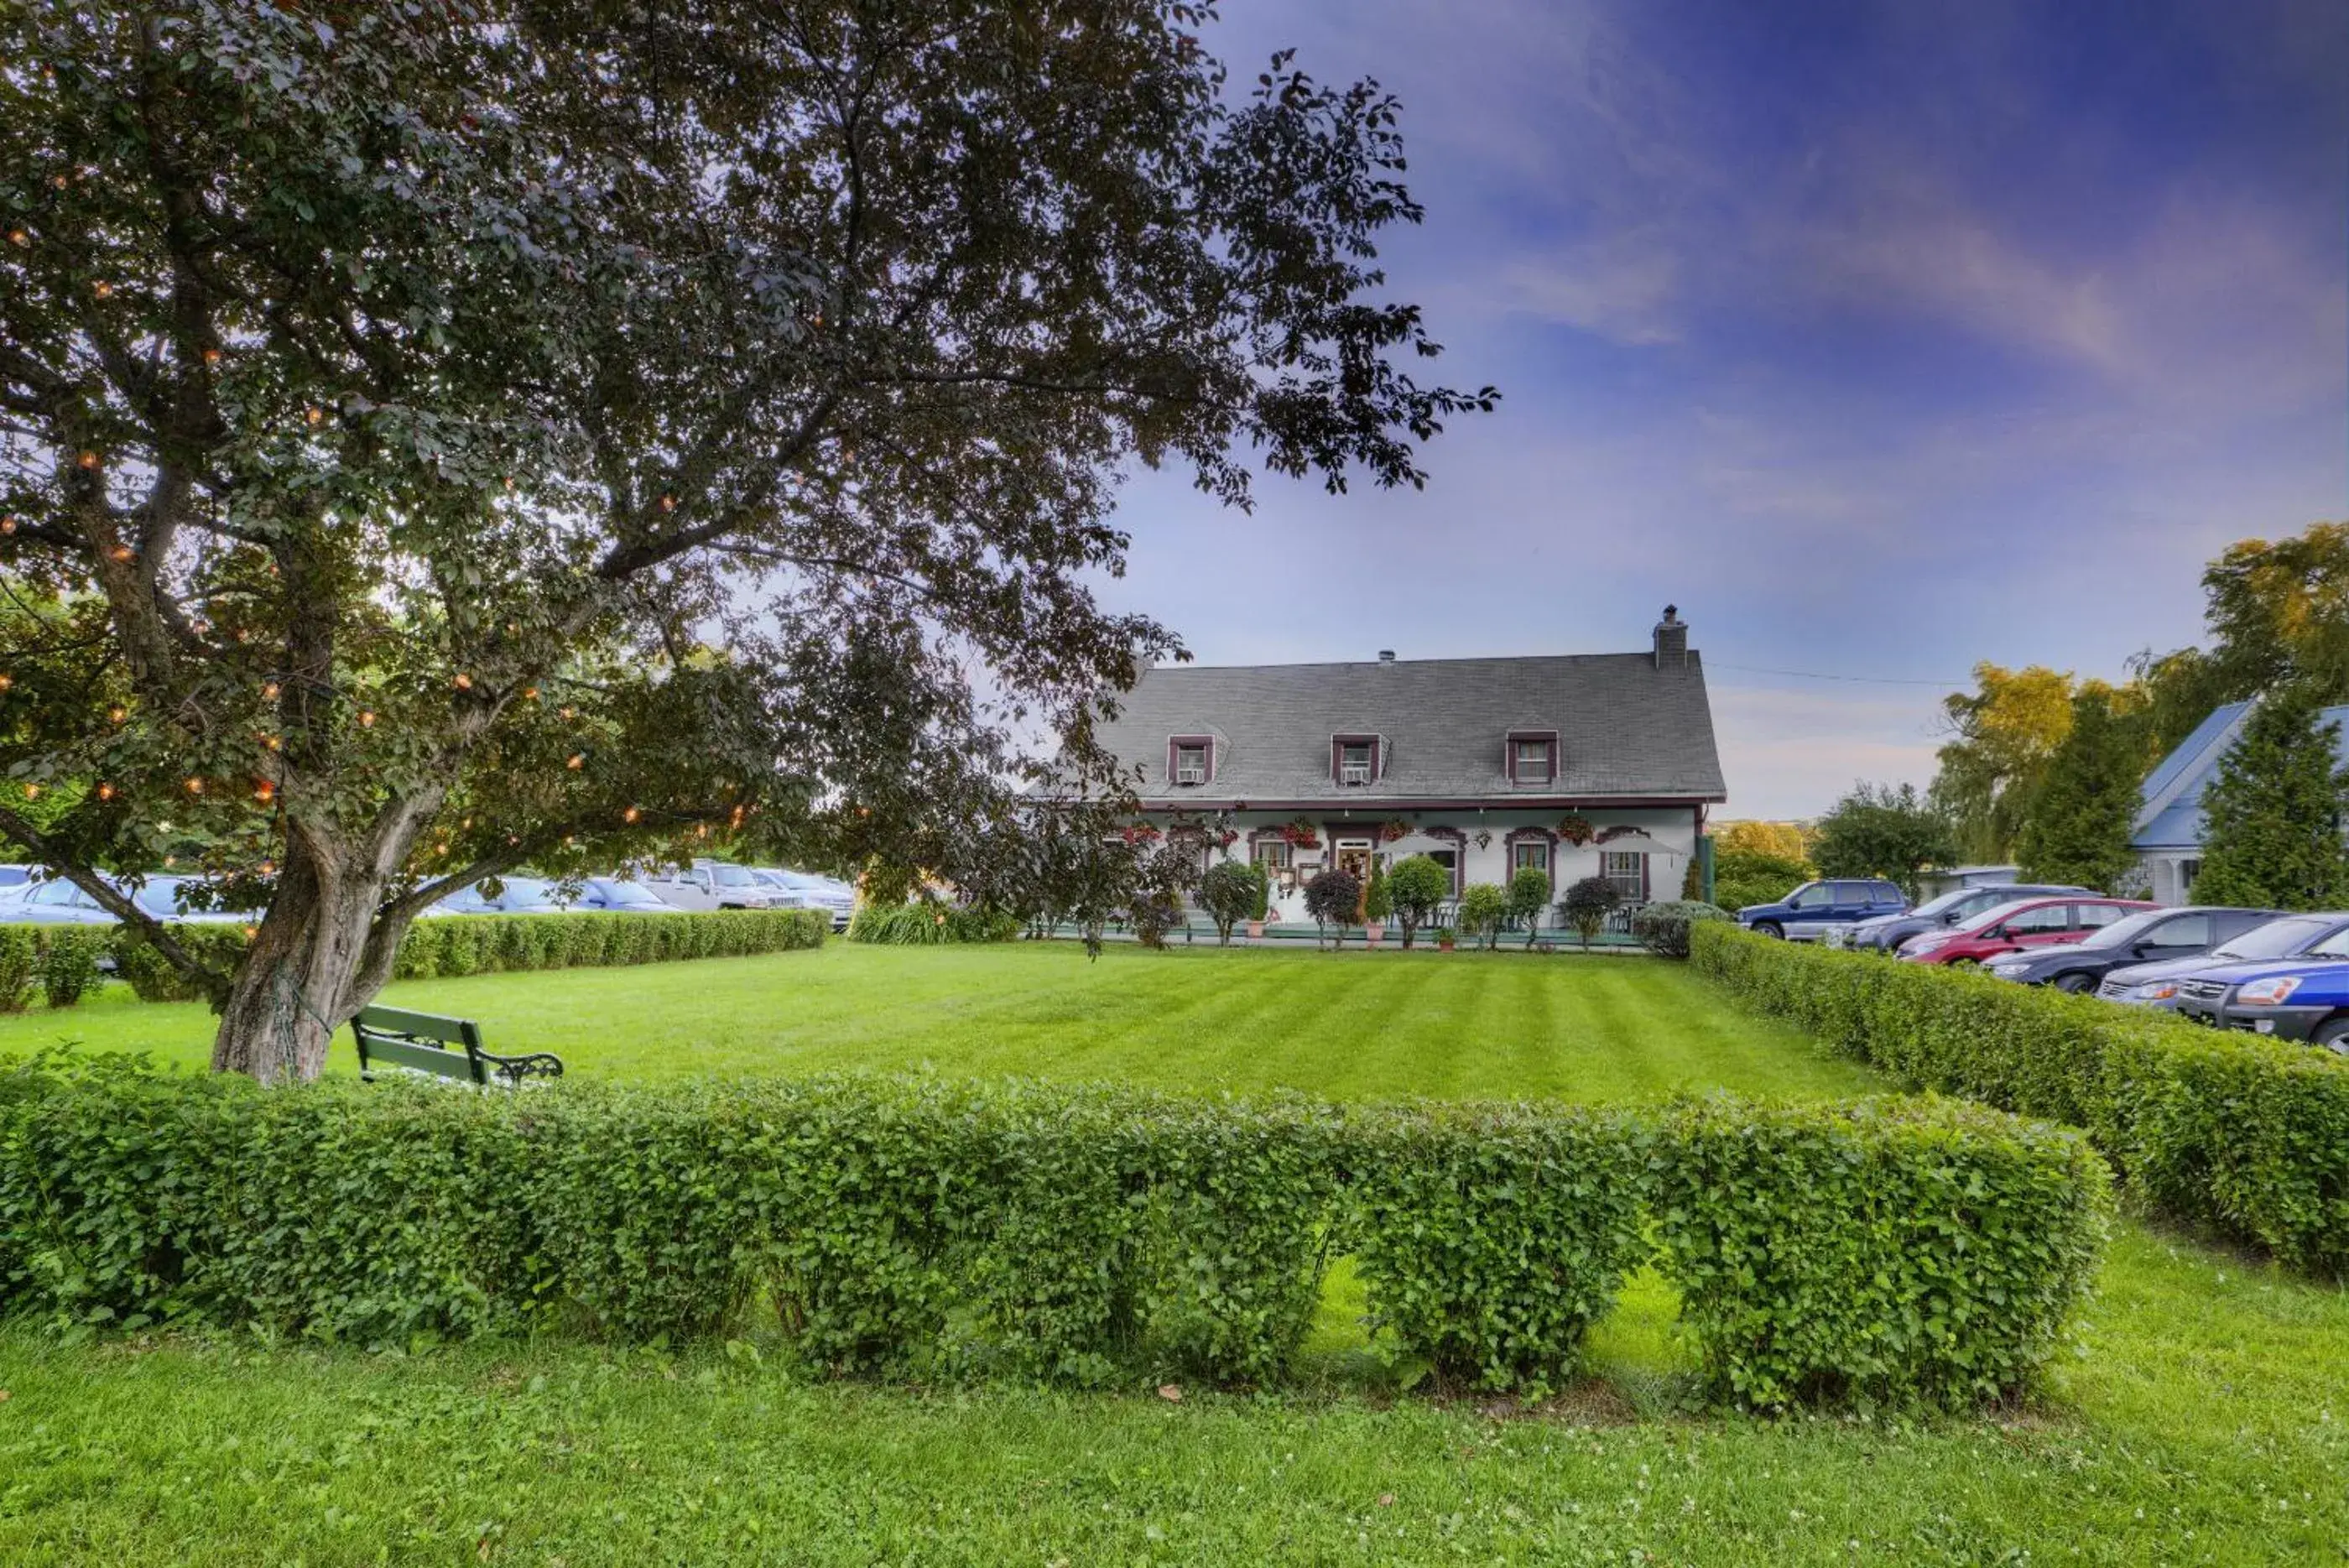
x,y
310,968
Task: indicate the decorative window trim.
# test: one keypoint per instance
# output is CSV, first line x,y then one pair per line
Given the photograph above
x,y
1548,738
1176,744
1338,744
1275,835
1529,836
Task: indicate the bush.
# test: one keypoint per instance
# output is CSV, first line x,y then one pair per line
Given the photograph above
x,y
1527,895
1587,905
1663,929
1879,1252
20,962
69,956
1742,877
154,977
2246,1133
1378,903
1229,892
915,1228
1482,907
1418,886
1331,897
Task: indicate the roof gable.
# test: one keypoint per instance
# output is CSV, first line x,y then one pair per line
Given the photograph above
x,y
1625,726
2170,813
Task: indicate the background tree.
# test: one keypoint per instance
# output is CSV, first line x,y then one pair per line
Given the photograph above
x,y
1331,897
1587,905
438,439
1418,886
1378,901
1779,840
2272,815
1747,877
1482,908
2078,829
1878,830
1229,891
2004,733
1528,896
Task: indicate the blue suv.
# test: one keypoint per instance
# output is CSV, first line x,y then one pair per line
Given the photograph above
x,y
1811,910
2305,998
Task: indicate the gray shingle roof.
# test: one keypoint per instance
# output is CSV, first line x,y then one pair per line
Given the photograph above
x,y
1625,727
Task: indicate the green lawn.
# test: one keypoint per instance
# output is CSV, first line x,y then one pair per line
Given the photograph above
x,y
1358,1025
2204,1417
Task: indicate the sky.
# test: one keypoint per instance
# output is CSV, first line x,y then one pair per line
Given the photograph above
x,y
1880,338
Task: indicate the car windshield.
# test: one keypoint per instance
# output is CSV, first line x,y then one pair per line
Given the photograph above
x,y
2124,932
1998,912
161,897
526,893
2334,946
1946,902
2274,939
730,875
626,893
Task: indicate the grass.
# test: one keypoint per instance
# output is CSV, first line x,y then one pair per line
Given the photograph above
x,y
1344,1025
2204,1418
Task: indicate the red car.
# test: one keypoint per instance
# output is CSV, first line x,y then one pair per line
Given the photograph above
x,y
2040,922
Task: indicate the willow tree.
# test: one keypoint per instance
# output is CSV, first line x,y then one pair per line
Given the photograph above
x,y
437,438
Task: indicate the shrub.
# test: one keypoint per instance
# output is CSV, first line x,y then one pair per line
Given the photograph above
x,y
1482,907
1528,895
1490,1237
1587,905
2246,1133
1886,1251
1663,929
20,959
153,979
1378,901
69,956
1331,897
1086,1235
1745,876
1229,891
1418,886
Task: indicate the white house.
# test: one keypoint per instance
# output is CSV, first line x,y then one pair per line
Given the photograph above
x,y
1577,764
2168,835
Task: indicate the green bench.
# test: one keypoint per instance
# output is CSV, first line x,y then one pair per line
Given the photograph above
x,y
440,1047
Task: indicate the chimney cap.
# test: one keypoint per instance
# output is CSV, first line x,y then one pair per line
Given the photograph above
x,y
1672,614
1386,656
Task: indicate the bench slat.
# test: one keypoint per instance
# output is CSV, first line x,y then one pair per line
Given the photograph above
x,y
422,1025
377,1050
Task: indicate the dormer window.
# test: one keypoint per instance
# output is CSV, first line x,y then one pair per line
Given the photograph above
x,y
1532,756
1190,760
1354,760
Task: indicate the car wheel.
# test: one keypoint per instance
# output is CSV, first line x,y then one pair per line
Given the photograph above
x,y
2078,984
1771,928
2333,1034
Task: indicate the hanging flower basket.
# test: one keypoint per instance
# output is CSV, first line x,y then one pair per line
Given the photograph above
x,y
1141,833
1300,835
1576,829
1394,830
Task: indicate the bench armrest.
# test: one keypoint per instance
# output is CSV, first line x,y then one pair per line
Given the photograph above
x,y
516,1069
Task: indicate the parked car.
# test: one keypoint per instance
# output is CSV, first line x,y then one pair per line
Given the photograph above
x,y
2156,985
1883,934
57,902
2150,937
711,884
14,880
516,895
1813,909
2304,998
805,891
615,895
2036,922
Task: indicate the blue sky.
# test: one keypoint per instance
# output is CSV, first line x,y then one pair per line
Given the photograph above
x,y
1882,338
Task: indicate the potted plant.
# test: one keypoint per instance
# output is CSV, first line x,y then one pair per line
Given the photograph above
x,y
1574,828
1262,904
1378,903
1444,938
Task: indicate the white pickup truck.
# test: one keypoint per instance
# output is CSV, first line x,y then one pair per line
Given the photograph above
x,y
711,885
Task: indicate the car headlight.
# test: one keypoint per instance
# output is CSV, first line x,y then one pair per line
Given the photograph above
x,y
2155,991
2267,992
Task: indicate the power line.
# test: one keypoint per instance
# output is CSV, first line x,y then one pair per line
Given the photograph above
x,y
1821,675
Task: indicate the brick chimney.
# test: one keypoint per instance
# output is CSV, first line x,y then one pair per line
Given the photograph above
x,y
1672,639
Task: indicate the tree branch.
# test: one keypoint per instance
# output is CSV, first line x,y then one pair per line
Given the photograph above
x,y
115,902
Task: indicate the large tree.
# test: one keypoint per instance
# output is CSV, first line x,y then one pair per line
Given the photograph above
x,y
2002,735
1878,830
2274,812
437,438
2078,829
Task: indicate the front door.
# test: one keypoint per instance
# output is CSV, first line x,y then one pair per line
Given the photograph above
x,y
1354,859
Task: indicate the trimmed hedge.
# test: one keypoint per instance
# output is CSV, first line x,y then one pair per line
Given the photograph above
x,y
2246,1133
1923,1251
928,925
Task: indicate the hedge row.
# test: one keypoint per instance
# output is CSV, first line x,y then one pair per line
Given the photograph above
x,y
1896,1250
924,925
2246,1133
59,961
451,945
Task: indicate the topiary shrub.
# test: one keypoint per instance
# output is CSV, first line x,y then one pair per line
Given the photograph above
x,y
1587,905
1230,892
1331,897
1528,895
68,966
1418,886
1663,929
1483,910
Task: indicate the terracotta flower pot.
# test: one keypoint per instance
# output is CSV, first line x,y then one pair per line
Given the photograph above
x,y
1443,944
1254,930
1373,932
